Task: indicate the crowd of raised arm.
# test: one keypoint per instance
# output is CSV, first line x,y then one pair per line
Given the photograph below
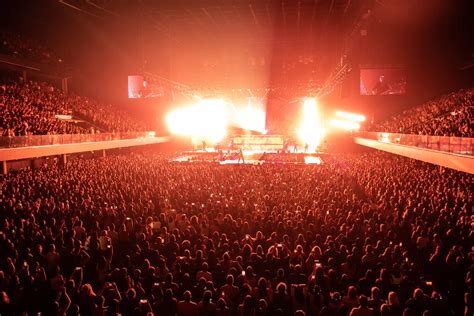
x,y
449,115
371,234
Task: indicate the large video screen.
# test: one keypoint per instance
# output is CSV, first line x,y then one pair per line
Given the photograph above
x,y
140,87
382,81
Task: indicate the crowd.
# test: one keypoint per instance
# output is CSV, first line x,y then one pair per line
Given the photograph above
x,y
20,46
28,108
106,115
450,115
31,108
369,234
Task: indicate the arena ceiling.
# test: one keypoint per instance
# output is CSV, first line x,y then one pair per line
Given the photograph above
x,y
237,40
281,21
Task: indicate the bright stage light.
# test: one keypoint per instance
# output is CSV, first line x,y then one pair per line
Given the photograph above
x,y
206,121
350,116
384,138
310,108
310,131
251,116
347,125
180,121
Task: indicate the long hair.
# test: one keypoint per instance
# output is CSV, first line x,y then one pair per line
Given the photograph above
x,y
247,305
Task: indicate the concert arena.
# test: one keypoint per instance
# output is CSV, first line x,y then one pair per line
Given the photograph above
x,y
236,158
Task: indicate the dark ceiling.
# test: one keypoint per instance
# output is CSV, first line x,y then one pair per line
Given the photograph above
x,y
228,40
287,20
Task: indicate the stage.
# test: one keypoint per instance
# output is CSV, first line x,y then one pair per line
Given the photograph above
x,y
248,157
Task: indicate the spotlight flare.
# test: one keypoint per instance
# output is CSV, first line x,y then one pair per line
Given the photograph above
x,y
310,131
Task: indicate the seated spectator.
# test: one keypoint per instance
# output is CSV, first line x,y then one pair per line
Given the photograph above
x,y
448,115
31,108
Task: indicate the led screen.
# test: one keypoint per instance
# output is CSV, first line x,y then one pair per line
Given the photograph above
x,y
382,81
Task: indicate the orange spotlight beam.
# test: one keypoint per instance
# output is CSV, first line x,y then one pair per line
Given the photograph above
x,y
351,116
344,124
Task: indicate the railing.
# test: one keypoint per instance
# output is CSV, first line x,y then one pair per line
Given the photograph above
x,y
457,145
61,139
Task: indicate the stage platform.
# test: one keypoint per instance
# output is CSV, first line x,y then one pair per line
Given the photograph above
x,y
249,157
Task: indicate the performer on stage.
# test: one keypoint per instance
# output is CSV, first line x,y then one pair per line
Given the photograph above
x,y
381,87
